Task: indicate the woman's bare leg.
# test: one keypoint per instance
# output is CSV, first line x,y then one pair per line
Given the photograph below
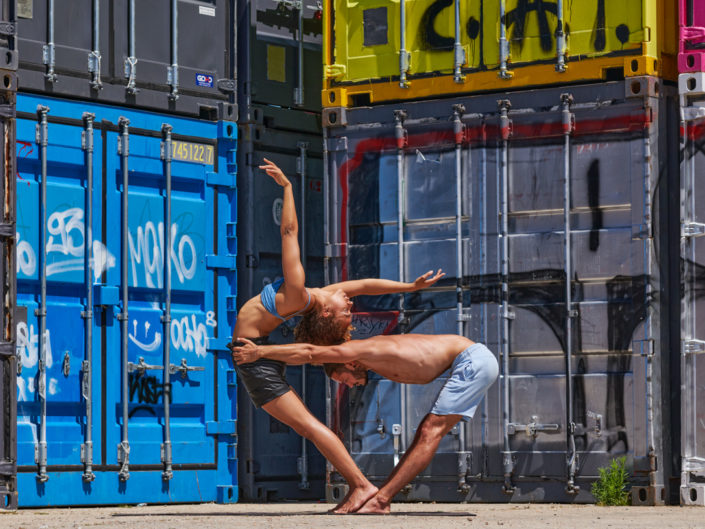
x,y
290,410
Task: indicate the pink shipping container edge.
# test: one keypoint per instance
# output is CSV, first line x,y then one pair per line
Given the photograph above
x,y
691,16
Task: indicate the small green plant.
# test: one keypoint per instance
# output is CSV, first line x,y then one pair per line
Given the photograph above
x,y
611,488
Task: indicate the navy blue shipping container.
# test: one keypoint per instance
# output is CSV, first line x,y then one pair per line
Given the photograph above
x,y
275,462
130,395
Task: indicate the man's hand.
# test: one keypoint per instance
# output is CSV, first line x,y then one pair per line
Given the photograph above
x,y
426,280
244,353
273,170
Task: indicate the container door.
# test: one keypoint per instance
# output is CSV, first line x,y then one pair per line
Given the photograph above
x,y
52,292
277,462
693,305
191,366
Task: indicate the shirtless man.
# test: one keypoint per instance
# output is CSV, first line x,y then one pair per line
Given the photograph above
x,y
405,358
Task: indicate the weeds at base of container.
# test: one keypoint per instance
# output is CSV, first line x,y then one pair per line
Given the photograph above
x,y
611,488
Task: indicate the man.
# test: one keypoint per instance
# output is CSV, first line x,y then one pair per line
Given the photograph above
x,y
405,358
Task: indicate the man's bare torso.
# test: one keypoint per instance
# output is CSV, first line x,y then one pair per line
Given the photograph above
x,y
412,358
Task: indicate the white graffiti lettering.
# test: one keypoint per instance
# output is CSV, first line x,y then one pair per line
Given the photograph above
x,y
189,335
65,225
26,259
210,319
27,345
148,251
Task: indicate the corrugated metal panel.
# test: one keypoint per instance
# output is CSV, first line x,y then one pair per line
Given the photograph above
x,y
693,327
129,396
277,463
8,359
280,53
564,271
175,56
691,17
423,48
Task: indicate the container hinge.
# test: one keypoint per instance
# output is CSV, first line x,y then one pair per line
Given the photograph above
x,y
464,315
338,144
692,113
228,180
532,428
131,74
227,427
86,368
141,367
396,435
509,314
18,355
692,229
94,60
123,457
66,364
226,85
693,346
7,28
184,368
221,261
335,70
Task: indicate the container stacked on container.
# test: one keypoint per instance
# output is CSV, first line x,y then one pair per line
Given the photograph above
x,y
126,243
691,86
8,361
550,208
279,79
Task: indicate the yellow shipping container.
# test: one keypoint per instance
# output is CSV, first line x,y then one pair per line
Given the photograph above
x,y
457,47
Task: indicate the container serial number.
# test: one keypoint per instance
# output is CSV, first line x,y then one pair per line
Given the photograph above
x,y
192,152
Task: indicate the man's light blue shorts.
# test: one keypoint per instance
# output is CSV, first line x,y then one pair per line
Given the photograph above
x,y
472,373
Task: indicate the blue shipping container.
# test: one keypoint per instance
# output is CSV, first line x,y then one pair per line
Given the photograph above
x,y
131,396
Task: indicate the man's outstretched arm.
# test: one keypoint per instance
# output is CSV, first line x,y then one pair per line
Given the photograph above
x,y
296,353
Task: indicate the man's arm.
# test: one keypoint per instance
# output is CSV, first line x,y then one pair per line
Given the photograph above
x,y
374,287
298,353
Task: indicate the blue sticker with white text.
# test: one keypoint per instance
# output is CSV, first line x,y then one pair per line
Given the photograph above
x,y
203,79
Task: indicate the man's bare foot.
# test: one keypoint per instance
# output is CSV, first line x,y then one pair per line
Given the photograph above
x,y
355,499
374,506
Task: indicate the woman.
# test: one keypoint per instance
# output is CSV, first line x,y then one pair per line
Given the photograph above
x,y
288,297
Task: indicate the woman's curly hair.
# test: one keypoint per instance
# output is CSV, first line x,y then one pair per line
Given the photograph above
x,y
316,329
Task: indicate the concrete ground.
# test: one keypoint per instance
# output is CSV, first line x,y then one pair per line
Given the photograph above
x,y
313,516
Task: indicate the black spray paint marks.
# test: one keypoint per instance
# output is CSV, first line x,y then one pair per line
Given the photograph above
x,y
600,40
516,21
622,32
593,184
147,390
428,35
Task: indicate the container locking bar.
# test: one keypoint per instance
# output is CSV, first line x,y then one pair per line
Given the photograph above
x,y
532,428
124,152
458,50
167,154
48,50
505,126
94,57
504,72
568,122
302,463
131,60
141,366
404,56
173,70
42,139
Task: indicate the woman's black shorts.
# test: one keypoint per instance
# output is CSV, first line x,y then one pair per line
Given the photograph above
x,y
264,379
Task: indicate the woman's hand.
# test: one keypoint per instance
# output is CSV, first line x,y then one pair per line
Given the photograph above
x,y
426,280
273,170
245,353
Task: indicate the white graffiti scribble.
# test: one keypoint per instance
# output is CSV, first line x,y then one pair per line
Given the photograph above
x,y
66,239
153,346
189,335
26,259
27,345
148,251
210,319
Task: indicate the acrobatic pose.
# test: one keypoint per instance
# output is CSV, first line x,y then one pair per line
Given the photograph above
x,y
326,311
405,358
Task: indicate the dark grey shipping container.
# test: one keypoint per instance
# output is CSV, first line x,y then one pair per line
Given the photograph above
x,y
692,251
553,213
169,56
275,462
8,359
279,53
